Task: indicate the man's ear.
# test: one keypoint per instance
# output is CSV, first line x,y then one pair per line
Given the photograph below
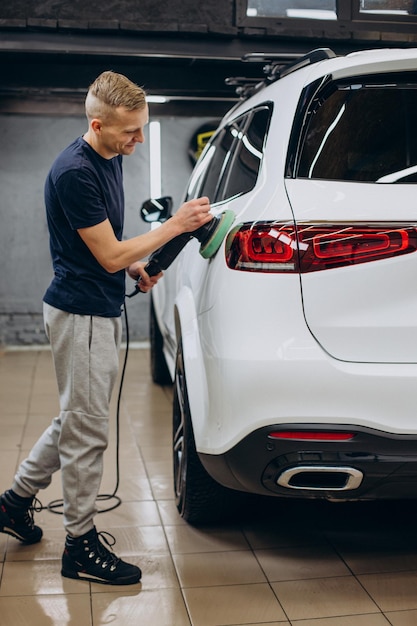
x,y
96,125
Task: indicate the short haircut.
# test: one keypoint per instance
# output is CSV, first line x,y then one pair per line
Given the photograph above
x,y
111,90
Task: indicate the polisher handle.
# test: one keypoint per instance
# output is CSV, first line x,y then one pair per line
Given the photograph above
x,y
162,258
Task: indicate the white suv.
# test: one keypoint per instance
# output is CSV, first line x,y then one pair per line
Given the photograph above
x,y
294,349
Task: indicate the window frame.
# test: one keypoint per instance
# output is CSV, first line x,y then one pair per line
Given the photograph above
x,y
391,18
349,18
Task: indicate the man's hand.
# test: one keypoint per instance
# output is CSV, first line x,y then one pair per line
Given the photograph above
x,y
194,214
137,270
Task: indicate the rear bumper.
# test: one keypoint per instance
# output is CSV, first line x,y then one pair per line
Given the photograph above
x,y
372,465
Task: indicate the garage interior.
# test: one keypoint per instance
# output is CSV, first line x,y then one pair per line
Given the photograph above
x,y
181,53
297,563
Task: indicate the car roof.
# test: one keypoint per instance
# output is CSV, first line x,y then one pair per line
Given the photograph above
x,y
370,62
313,66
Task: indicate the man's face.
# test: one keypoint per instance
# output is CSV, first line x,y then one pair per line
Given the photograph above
x,y
121,133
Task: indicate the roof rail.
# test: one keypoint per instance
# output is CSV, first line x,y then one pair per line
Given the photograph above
x,y
320,54
271,57
245,87
276,66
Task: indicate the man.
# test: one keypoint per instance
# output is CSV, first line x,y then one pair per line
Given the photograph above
x,y
82,315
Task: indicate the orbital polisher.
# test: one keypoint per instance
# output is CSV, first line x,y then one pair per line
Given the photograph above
x,y
210,236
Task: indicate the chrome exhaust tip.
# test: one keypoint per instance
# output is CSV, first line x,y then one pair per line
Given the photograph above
x,y
320,478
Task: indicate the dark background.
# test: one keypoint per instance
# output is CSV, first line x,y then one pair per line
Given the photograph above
x,y
50,50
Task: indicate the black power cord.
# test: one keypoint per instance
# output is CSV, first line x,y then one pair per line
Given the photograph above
x,y
57,504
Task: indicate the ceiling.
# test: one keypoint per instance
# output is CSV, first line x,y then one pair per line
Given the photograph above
x,y
45,72
50,51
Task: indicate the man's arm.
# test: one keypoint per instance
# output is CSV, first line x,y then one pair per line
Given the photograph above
x,y
115,255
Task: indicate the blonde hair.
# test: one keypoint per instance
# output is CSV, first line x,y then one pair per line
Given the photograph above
x,y
109,91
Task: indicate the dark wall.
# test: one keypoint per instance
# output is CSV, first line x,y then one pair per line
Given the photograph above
x,y
142,14
143,10
29,145
224,17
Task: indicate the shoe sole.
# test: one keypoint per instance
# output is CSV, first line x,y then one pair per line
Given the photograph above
x,y
15,535
95,579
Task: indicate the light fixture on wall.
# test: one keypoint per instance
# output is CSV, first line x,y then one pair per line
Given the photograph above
x,y
155,159
156,99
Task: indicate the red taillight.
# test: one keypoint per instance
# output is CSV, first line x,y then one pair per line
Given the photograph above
x,y
276,247
310,435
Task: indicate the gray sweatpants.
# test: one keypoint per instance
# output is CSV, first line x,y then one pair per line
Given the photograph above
x,y
86,357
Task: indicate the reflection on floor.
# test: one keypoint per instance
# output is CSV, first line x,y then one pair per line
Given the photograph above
x,y
304,564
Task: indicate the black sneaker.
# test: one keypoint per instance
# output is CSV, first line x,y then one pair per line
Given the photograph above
x,y
16,517
86,558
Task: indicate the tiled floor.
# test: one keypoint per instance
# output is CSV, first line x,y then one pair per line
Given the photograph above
x,y
304,564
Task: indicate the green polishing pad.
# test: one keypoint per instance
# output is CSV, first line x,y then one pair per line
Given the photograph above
x,y
215,239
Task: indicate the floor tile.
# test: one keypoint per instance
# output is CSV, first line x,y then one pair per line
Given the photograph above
x,y
402,618
10,437
393,591
275,532
31,578
3,543
8,419
161,486
301,563
46,610
132,487
8,466
139,513
218,568
384,556
132,540
44,403
187,539
282,562
13,403
155,453
50,547
376,619
241,604
169,513
156,608
324,597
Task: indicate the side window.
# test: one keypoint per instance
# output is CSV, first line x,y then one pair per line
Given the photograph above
x,y
232,160
247,159
199,171
364,130
209,170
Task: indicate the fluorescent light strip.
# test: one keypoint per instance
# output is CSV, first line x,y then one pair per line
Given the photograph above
x,y
156,99
155,159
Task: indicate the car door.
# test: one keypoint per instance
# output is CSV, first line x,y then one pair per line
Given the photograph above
x,y
354,198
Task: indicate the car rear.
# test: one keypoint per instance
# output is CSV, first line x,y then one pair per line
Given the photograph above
x,y
311,354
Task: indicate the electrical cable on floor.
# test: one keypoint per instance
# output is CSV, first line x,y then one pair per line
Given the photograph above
x,y
57,504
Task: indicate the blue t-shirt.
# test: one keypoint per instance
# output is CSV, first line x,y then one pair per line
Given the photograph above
x,y
83,189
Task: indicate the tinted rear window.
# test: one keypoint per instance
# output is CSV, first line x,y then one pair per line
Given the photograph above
x,y
363,130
